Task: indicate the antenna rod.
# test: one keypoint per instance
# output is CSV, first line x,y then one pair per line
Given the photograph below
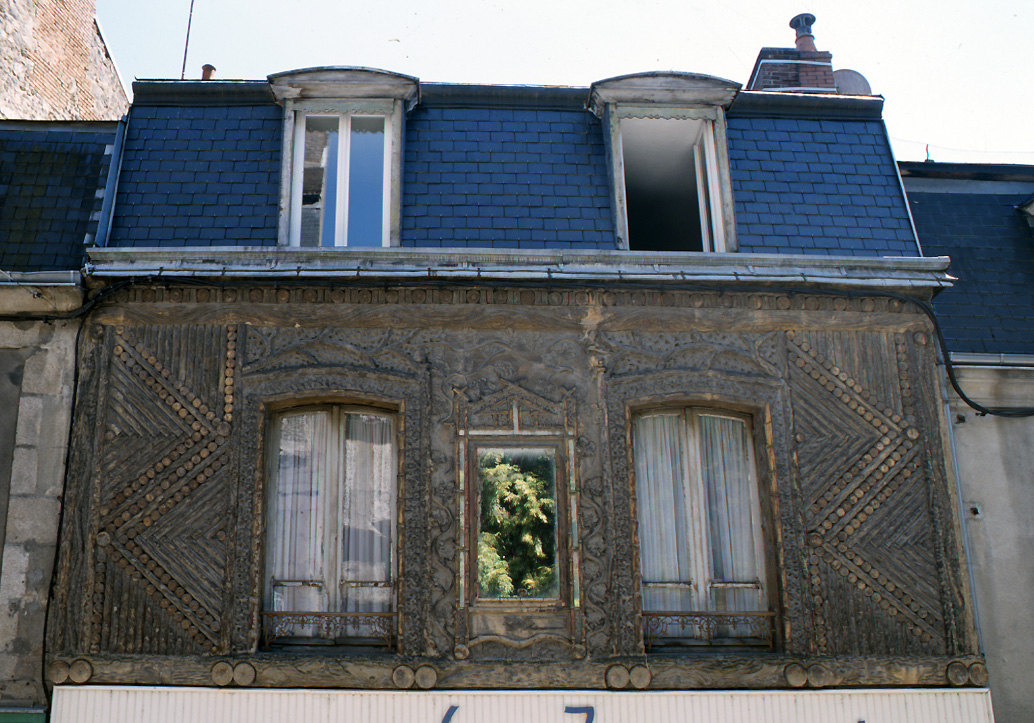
x,y
186,44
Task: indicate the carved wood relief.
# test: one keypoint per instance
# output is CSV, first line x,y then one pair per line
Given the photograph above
x,y
164,554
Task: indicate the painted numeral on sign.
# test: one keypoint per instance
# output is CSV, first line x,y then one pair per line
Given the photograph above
x,y
588,711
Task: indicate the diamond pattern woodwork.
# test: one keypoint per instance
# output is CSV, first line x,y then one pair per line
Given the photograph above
x,y
163,492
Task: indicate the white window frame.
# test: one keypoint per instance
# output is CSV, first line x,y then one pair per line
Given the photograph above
x,y
345,92
698,545
343,175
672,95
714,194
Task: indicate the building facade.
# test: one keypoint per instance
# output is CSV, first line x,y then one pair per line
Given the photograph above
x,y
396,398
979,216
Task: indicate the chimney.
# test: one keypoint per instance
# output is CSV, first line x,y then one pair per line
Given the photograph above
x,y
802,24
801,69
207,71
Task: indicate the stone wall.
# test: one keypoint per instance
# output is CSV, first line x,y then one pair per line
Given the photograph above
x,y
36,398
54,64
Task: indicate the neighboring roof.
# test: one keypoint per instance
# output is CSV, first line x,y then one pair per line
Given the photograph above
x,y
969,212
52,179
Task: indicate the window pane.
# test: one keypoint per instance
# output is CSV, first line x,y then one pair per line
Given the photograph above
x,y
663,536
331,521
517,535
319,181
366,182
367,514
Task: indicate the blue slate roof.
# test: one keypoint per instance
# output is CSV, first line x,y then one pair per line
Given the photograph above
x,y
505,178
199,175
820,186
990,310
52,178
508,167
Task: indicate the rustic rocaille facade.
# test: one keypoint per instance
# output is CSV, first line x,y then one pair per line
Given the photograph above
x,y
160,562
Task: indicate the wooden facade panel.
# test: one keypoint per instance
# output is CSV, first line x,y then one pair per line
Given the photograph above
x,y
168,466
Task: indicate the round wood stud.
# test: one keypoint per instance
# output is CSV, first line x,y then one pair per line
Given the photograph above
x,y
243,674
426,677
795,674
819,676
80,671
222,673
57,673
978,674
461,652
403,676
617,677
640,676
957,673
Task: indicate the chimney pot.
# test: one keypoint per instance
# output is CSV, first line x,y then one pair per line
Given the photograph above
x,y
207,71
802,24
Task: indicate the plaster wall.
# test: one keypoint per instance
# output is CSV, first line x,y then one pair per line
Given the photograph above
x,y
995,458
36,360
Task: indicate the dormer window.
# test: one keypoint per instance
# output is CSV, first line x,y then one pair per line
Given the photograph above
x,y
669,160
342,163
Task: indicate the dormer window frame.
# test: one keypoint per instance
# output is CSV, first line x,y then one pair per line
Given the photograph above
x,y
672,96
344,93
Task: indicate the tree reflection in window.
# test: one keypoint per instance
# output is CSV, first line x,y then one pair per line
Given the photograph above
x,y
517,542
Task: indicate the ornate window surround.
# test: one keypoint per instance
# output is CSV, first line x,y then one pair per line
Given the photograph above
x,y
343,91
670,95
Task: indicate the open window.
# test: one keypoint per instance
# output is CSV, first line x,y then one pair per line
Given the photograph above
x,y
342,155
669,160
331,527
701,555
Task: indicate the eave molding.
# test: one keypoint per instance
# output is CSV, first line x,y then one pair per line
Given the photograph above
x,y
915,276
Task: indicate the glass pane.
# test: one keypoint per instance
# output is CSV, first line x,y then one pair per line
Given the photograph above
x,y
319,181
724,464
366,182
661,512
517,540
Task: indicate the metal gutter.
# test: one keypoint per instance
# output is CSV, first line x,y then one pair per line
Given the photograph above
x,y
921,277
992,360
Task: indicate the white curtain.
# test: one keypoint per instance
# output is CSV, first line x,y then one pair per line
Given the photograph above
x,y
698,513
331,517
367,514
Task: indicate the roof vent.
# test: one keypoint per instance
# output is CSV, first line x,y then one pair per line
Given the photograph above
x,y
207,71
802,24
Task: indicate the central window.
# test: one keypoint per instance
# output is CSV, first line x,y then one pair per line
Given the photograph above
x,y
330,527
517,531
702,562
341,176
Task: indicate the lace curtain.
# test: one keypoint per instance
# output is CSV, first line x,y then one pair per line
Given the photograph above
x,y
696,495
331,519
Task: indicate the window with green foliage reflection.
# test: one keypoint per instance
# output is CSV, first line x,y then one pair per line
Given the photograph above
x,y
517,535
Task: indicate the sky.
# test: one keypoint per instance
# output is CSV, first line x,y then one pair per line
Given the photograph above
x,y
955,73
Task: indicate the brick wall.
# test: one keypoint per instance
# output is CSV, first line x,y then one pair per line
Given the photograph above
x,y
54,65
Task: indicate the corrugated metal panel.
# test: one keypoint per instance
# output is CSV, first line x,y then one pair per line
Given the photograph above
x,y
92,704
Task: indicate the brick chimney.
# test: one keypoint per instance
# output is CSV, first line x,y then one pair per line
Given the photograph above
x,y
801,69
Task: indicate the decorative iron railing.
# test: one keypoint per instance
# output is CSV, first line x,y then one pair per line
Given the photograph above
x,y
752,629
300,626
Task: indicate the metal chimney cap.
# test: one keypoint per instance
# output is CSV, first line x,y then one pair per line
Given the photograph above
x,y
802,23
